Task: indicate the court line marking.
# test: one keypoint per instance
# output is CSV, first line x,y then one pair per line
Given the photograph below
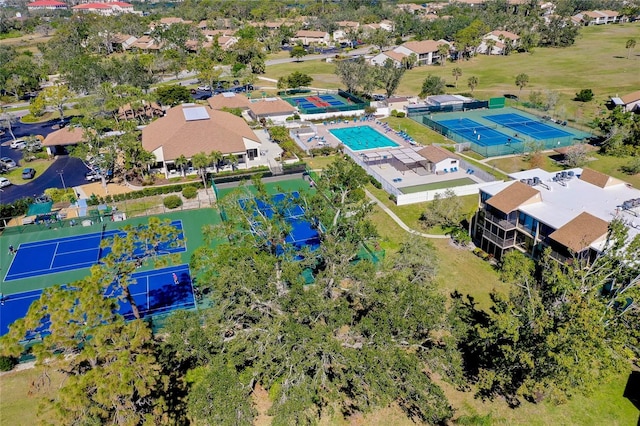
x,y
36,273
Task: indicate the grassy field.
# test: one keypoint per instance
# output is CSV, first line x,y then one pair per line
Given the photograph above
x,y
518,163
437,185
599,51
321,71
421,134
20,397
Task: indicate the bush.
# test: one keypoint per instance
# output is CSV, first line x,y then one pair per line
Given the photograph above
x,y
7,363
189,192
632,168
585,95
375,182
172,202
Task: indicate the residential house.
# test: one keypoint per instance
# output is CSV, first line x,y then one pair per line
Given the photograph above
x,y
596,17
122,42
345,28
145,110
307,37
414,9
146,44
396,58
271,109
46,5
567,211
629,102
229,100
170,20
500,42
189,129
426,51
105,9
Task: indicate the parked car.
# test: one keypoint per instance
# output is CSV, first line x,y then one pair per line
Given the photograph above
x,y
8,162
92,176
18,144
379,97
4,182
205,88
28,173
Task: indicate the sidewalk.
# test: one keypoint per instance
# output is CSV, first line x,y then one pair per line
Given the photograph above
x,y
399,221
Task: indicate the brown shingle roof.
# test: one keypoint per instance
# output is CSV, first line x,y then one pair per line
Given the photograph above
x,y
176,136
424,46
631,97
435,154
598,179
396,56
220,101
271,106
580,232
64,136
514,196
308,33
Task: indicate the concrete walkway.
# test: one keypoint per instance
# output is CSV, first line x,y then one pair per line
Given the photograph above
x,y
399,221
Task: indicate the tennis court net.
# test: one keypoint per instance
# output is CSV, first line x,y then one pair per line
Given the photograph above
x,y
473,128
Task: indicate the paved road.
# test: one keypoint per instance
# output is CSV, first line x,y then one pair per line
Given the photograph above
x,y
73,169
356,52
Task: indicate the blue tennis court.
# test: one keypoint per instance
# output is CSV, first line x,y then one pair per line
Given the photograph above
x,y
154,292
302,232
66,254
478,133
524,125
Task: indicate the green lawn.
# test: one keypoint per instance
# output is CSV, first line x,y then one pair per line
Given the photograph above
x,y
437,185
21,398
518,163
611,166
421,134
321,71
15,175
319,162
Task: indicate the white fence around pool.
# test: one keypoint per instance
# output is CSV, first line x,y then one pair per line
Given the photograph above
x,y
423,196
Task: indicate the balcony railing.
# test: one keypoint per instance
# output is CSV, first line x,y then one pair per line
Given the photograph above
x,y
502,223
500,242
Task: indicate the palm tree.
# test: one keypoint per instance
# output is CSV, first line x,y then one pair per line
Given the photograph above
x,y
472,82
456,73
522,80
490,45
201,161
181,162
631,43
443,52
216,157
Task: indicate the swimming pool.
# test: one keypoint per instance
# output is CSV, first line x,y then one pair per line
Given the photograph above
x,y
362,137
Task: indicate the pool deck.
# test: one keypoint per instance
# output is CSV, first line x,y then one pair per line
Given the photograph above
x,y
325,138
387,171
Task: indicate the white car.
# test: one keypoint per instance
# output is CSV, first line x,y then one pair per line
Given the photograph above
x,y
205,88
4,182
18,144
8,162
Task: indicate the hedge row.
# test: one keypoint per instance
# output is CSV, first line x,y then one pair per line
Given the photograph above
x,y
94,200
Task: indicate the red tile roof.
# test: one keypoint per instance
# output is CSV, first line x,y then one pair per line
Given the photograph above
x,y
44,3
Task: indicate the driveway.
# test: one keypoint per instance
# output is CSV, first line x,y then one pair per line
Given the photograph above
x,y
73,169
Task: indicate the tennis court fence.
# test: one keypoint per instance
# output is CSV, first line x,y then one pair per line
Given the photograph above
x,y
124,210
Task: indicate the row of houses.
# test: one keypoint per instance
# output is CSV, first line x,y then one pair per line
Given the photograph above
x,y
101,8
428,52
